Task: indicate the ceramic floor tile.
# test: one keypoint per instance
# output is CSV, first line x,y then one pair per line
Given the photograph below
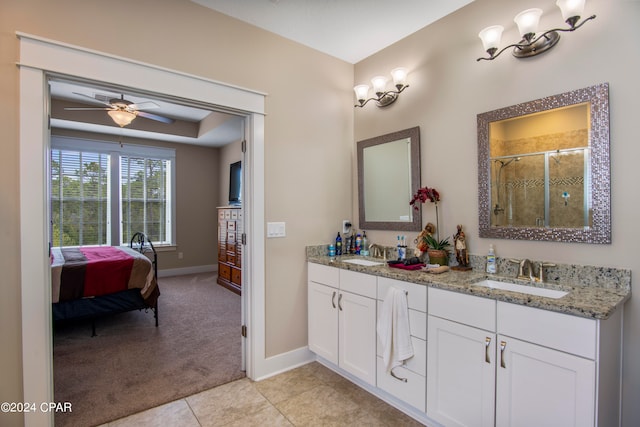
x,y
269,416
227,403
320,406
175,414
288,384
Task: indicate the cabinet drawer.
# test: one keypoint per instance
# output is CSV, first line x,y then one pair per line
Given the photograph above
x,y
319,273
416,294
358,283
417,322
231,226
413,391
418,363
224,271
236,276
466,309
571,334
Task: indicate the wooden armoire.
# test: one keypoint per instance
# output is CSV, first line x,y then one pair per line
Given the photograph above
x,y
230,248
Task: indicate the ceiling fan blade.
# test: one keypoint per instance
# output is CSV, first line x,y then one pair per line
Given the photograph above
x,y
87,109
154,117
144,105
92,98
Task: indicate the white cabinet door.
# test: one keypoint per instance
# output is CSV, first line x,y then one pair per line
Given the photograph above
x,y
357,335
460,374
323,321
538,386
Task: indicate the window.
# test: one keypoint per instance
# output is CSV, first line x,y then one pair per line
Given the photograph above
x,y
100,190
145,194
79,198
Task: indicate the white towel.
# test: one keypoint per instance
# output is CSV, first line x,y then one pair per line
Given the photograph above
x,y
393,329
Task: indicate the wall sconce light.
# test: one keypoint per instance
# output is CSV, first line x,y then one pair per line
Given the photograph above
x,y
383,97
527,22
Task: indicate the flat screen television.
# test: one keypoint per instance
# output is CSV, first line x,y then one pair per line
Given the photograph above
x,y
235,183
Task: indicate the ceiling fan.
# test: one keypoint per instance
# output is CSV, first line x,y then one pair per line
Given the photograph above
x,y
122,111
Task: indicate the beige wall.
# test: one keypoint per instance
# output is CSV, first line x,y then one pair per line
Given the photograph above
x,y
448,88
308,134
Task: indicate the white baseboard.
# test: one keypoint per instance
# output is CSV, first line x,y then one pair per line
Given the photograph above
x,y
188,270
284,362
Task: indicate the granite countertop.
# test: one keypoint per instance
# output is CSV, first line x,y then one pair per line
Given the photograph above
x,y
594,300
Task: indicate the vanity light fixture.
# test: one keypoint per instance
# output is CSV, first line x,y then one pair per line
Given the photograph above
x,y
527,21
383,96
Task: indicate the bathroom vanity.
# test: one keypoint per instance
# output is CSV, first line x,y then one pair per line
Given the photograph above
x,y
482,356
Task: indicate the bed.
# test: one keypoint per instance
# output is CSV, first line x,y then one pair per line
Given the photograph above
x,y
89,282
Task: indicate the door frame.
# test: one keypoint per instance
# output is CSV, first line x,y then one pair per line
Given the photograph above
x,y
38,58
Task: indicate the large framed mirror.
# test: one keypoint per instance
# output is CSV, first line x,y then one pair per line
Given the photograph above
x,y
388,175
544,169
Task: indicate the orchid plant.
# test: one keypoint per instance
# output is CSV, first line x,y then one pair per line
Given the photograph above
x,y
423,195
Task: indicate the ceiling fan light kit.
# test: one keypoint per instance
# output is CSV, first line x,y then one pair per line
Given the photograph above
x,y
122,111
121,117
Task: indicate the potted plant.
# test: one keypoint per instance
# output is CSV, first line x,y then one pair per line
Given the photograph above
x,y
437,250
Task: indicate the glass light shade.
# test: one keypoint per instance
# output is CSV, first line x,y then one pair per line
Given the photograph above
x,y
491,37
399,76
570,8
379,84
362,92
121,117
528,20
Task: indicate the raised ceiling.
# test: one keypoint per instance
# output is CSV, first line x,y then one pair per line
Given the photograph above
x,y
198,125
347,29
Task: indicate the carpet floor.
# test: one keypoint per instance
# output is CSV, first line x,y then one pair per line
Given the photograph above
x,y
131,365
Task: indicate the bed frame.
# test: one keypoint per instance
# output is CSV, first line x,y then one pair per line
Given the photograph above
x,y
119,302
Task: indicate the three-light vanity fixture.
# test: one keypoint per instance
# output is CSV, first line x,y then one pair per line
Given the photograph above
x,y
383,96
527,21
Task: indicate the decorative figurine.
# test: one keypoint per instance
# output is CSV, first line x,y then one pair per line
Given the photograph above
x,y
460,245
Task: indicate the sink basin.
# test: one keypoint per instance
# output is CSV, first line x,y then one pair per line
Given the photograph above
x,y
364,262
523,289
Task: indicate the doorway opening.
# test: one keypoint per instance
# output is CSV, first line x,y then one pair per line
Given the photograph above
x,y
38,58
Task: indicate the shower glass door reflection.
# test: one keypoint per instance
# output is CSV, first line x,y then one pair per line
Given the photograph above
x,y
544,189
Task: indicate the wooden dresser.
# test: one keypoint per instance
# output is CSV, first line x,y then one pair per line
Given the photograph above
x,y
230,248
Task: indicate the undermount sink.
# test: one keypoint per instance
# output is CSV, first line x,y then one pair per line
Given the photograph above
x,y
364,262
523,289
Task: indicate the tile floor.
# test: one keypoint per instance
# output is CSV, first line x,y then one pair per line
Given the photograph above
x,y
311,395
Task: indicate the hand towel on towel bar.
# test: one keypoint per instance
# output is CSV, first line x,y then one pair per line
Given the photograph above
x,y
393,329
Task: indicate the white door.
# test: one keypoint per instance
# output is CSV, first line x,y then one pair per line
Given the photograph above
x,y
460,374
358,336
323,321
538,386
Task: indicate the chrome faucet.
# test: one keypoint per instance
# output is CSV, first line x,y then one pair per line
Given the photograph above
x,y
377,251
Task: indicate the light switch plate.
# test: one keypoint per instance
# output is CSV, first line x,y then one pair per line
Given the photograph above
x,y
276,229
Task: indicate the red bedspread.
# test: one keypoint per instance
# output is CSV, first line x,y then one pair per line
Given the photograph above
x,y
94,271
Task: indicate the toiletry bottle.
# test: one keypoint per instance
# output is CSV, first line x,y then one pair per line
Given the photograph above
x,y
338,244
364,251
332,250
358,244
492,267
347,244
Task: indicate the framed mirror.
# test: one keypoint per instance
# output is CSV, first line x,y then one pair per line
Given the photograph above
x,y
388,176
544,169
